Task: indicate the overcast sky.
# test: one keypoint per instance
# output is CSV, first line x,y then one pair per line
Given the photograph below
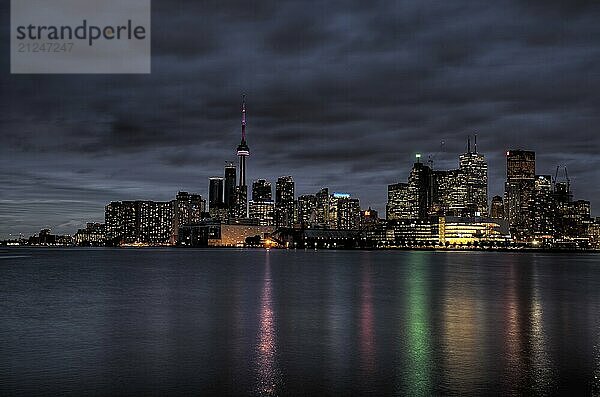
x,y
340,94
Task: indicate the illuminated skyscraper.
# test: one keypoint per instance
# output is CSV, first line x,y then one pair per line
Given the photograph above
x,y
262,207
543,209
449,193
399,202
262,211
284,202
145,222
412,200
519,191
188,209
344,212
322,207
475,170
307,210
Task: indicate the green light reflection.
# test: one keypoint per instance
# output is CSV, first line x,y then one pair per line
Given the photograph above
x,y
418,341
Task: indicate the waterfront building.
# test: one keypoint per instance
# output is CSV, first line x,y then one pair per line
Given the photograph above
x,y
121,220
93,234
463,231
412,233
189,208
46,238
155,223
321,238
139,222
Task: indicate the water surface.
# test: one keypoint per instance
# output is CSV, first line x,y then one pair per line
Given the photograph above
x,y
256,322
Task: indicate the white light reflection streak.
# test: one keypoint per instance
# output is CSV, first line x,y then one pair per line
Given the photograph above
x,y
269,377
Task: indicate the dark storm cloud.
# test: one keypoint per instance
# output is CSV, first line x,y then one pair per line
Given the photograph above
x,y
340,94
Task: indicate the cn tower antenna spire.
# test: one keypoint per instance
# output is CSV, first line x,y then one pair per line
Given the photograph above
x,y
243,117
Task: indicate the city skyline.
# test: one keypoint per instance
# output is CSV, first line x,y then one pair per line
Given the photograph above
x,y
461,159
392,79
536,208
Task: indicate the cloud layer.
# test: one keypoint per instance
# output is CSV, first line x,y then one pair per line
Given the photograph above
x,y
340,94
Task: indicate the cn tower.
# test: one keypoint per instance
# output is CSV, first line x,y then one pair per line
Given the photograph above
x,y
243,150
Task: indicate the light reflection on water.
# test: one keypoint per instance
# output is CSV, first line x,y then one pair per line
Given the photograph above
x,y
461,332
269,376
418,346
542,375
513,332
229,322
367,321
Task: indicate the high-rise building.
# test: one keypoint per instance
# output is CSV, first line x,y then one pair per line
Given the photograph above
x,y
322,207
229,189
262,211
497,208
344,212
449,193
143,222
543,210
94,234
262,207
475,170
241,203
261,190
243,151
419,190
189,208
582,218
215,192
155,223
284,202
307,210
120,218
399,203
519,192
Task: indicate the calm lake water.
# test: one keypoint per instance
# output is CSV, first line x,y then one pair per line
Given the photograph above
x,y
255,322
